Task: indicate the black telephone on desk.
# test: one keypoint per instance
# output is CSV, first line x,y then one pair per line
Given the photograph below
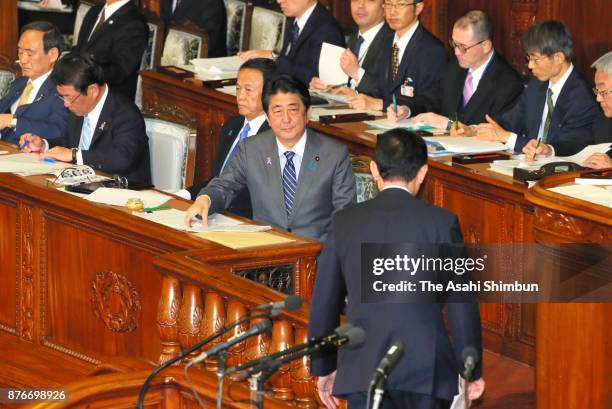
x,y
525,175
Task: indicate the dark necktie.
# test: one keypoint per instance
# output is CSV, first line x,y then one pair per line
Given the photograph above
x,y
101,20
357,46
549,103
394,61
295,34
289,182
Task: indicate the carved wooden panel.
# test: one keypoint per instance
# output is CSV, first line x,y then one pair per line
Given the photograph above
x,y
9,250
28,282
75,297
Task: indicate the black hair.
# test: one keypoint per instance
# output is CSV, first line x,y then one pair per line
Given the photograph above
x,y
549,37
52,38
78,70
399,154
285,84
266,66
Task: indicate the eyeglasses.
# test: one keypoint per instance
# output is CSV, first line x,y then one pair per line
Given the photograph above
x,y
535,60
463,48
398,6
602,92
70,101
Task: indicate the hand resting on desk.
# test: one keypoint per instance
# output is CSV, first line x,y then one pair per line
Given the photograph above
x,y
200,208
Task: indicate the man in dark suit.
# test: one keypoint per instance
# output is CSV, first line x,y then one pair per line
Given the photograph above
x,y
426,376
107,131
309,25
410,67
251,120
476,83
209,15
556,107
30,104
296,177
365,46
116,35
602,127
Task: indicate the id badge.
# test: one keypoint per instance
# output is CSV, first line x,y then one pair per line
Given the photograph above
x,y
407,89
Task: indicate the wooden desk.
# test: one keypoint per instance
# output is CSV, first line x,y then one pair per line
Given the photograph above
x,y
78,284
503,215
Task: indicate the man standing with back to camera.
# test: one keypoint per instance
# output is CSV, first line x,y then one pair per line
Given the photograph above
x,y
426,376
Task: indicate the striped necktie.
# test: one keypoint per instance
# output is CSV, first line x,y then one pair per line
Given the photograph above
x,y
289,182
85,135
550,106
394,61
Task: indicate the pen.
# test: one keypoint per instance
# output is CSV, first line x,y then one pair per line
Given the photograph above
x,y
536,149
456,122
49,160
26,143
394,104
152,209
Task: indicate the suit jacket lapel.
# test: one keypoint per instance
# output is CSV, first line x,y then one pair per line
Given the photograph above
x,y
104,120
307,30
485,88
308,170
559,109
540,100
407,58
273,174
108,24
13,95
375,45
45,90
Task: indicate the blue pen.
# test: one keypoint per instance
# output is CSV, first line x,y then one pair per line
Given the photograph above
x,y
26,143
394,104
49,160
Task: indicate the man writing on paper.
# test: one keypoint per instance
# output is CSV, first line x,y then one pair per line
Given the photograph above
x,y
296,177
476,83
30,104
252,76
410,65
365,46
557,107
602,127
309,25
426,377
106,132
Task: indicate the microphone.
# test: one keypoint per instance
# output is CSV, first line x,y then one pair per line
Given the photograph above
x,y
291,303
263,326
388,362
345,335
386,365
470,358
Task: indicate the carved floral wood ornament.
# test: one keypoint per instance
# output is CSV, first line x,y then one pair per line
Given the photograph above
x,y
115,301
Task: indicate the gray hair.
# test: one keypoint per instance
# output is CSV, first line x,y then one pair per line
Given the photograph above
x,y
480,23
604,63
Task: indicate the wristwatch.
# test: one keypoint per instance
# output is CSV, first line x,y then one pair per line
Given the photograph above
x,y
449,125
74,155
274,55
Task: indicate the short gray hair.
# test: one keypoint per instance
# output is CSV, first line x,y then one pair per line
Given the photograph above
x,y
480,23
604,63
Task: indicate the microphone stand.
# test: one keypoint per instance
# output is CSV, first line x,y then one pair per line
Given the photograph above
x,y
379,391
222,356
466,397
194,347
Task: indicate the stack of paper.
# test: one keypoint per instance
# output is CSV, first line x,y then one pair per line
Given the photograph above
x,y
594,194
175,219
330,97
217,68
316,112
28,164
228,89
507,166
464,145
386,124
330,71
119,197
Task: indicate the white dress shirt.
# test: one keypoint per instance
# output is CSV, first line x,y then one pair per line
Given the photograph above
x,y
298,149
479,72
402,42
303,19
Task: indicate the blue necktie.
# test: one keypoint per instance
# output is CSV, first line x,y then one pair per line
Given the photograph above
x,y
85,135
289,182
243,135
295,34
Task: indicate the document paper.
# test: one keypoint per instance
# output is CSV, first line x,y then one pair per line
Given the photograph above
x,y
243,240
27,164
175,219
119,197
330,71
